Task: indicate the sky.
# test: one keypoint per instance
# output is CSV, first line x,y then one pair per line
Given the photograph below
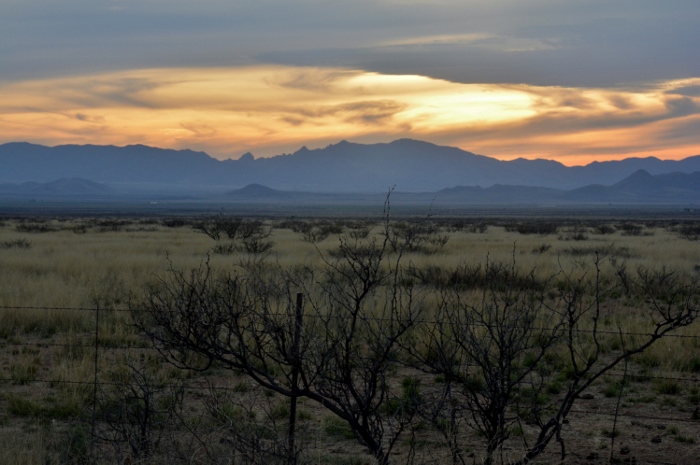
x,y
573,81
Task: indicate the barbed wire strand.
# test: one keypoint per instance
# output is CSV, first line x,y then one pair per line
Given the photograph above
x,y
375,319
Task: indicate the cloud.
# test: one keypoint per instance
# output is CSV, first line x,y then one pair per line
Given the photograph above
x,y
690,91
89,118
367,112
310,79
199,130
274,109
593,43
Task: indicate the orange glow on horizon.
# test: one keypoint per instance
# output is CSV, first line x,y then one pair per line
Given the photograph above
x,y
273,109
582,159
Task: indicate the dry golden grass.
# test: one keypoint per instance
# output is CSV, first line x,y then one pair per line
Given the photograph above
x,y
67,269
81,266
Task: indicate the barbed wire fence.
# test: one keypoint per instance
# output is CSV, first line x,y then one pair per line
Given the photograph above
x,y
104,348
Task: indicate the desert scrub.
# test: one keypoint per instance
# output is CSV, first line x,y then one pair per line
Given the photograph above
x,y
90,263
20,243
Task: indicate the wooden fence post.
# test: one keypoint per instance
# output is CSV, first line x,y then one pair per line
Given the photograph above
x,y
295,374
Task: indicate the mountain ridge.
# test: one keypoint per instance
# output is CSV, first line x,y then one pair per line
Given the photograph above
x,y
408,164
640,188
59,188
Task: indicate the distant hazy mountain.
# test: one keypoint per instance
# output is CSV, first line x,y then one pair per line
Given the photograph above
x,y
642,187
258,191
410,165
61,188
638,188
131,164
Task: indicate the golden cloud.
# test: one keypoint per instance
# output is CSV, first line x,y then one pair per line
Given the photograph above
x,y
228,111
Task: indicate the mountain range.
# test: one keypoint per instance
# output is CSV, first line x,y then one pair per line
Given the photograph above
x,y
416,169
638,188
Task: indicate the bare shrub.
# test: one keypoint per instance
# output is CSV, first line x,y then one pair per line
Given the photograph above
x,y
136,411
541,227
632,229
690,232
604,229
574,234
36,228
250,236
467,276
477,228
250,428
498,352
513,353
348,339
21,243
416,236
488,353
320,231
542,248
605,250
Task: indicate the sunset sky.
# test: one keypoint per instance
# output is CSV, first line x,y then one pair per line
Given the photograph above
x,y
574,81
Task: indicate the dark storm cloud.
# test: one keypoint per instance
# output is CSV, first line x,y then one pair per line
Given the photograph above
x,y
541,42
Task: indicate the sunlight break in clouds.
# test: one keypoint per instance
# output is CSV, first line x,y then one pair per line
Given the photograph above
x,y
274,109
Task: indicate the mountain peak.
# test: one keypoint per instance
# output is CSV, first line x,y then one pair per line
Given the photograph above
x,y
412,165
256,190
641,173
412,142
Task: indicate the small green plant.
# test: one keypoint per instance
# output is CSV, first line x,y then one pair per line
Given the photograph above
x,y
613,390
241,387
65,408
73,446
669,387
280,411
692,365
337,428
23,373
669,402
554,387
684,439
228,412
23,407
411,392
647,360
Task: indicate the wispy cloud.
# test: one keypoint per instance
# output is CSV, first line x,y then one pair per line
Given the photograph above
x,y
270,109
437,39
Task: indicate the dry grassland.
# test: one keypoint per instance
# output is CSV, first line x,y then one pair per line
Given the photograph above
x,y
55,273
